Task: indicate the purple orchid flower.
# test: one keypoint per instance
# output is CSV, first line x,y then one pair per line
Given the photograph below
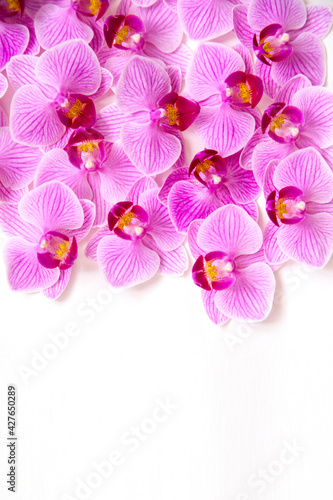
x,y
57,21
18,165
93,168
301,117
286,38
210,182
139,240
151,116
55,91
300,208
153,32
44,229
208,19
216,78
230,268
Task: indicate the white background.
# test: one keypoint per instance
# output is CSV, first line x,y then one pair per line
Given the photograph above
x,y
241,394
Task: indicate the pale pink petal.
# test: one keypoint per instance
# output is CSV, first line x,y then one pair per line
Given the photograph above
x,y
231,230
54,292
23,269
149,147
33,119
3,85
240,183
91,248
116,61
181,174
290,14
287,92
125,262
208,299
89,212
246,55
71,66
9,195
310,241
242,28
266,152
316,104
55,24
251,296
192,236
308,58
142,84
205,20
225,129
3,117
160,225
12,224
175,76
273,253
51,207
271,87
106,84
142,185
21,70
212,63
14,39
173,263
306,170
245,159
109,122
179,57
319,21
102,205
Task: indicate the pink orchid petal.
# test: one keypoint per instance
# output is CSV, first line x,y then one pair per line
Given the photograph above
x,y
319,21
12,224
18,162
55,25
23,269
34,121
149,147
55,166
310,241
160,225
290,14
125,262
33,6
71,66
188,201
162,26
266,152
306,170
14,39
3,117
9,195
172,263
140,186
271,87
246,55
117,175
273,253
308,58
180,174
89,213
269,185
105,86
212,63
287,92
91,248
244,261
109,122
142,84
21,70
179,57
116,62
316,104
205,20
52,207
101,204
192,236
241,183
225,129
54,291
242,28
251,296
144,3
245,159
175,76
208,299
230,230
3,85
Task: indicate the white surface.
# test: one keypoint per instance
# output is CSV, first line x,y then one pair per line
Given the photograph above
x,y
242,392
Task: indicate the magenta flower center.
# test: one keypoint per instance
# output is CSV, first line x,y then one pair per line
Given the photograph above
x,y
9,8
214,271
57,250
75,110
273,44
91,8
128,221
243,89
176,111
85,149
283,123
288,206
125,33
209,168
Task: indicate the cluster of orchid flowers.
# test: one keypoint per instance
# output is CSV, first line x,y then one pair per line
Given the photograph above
x,y
69,169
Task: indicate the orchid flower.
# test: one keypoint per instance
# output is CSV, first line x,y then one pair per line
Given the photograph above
x,y
57,21
172,4
301,117
216,78
209,183
44,229
139,240
153,32
299,193
93,168
230,268
55,92
286,38
18,165
150,116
